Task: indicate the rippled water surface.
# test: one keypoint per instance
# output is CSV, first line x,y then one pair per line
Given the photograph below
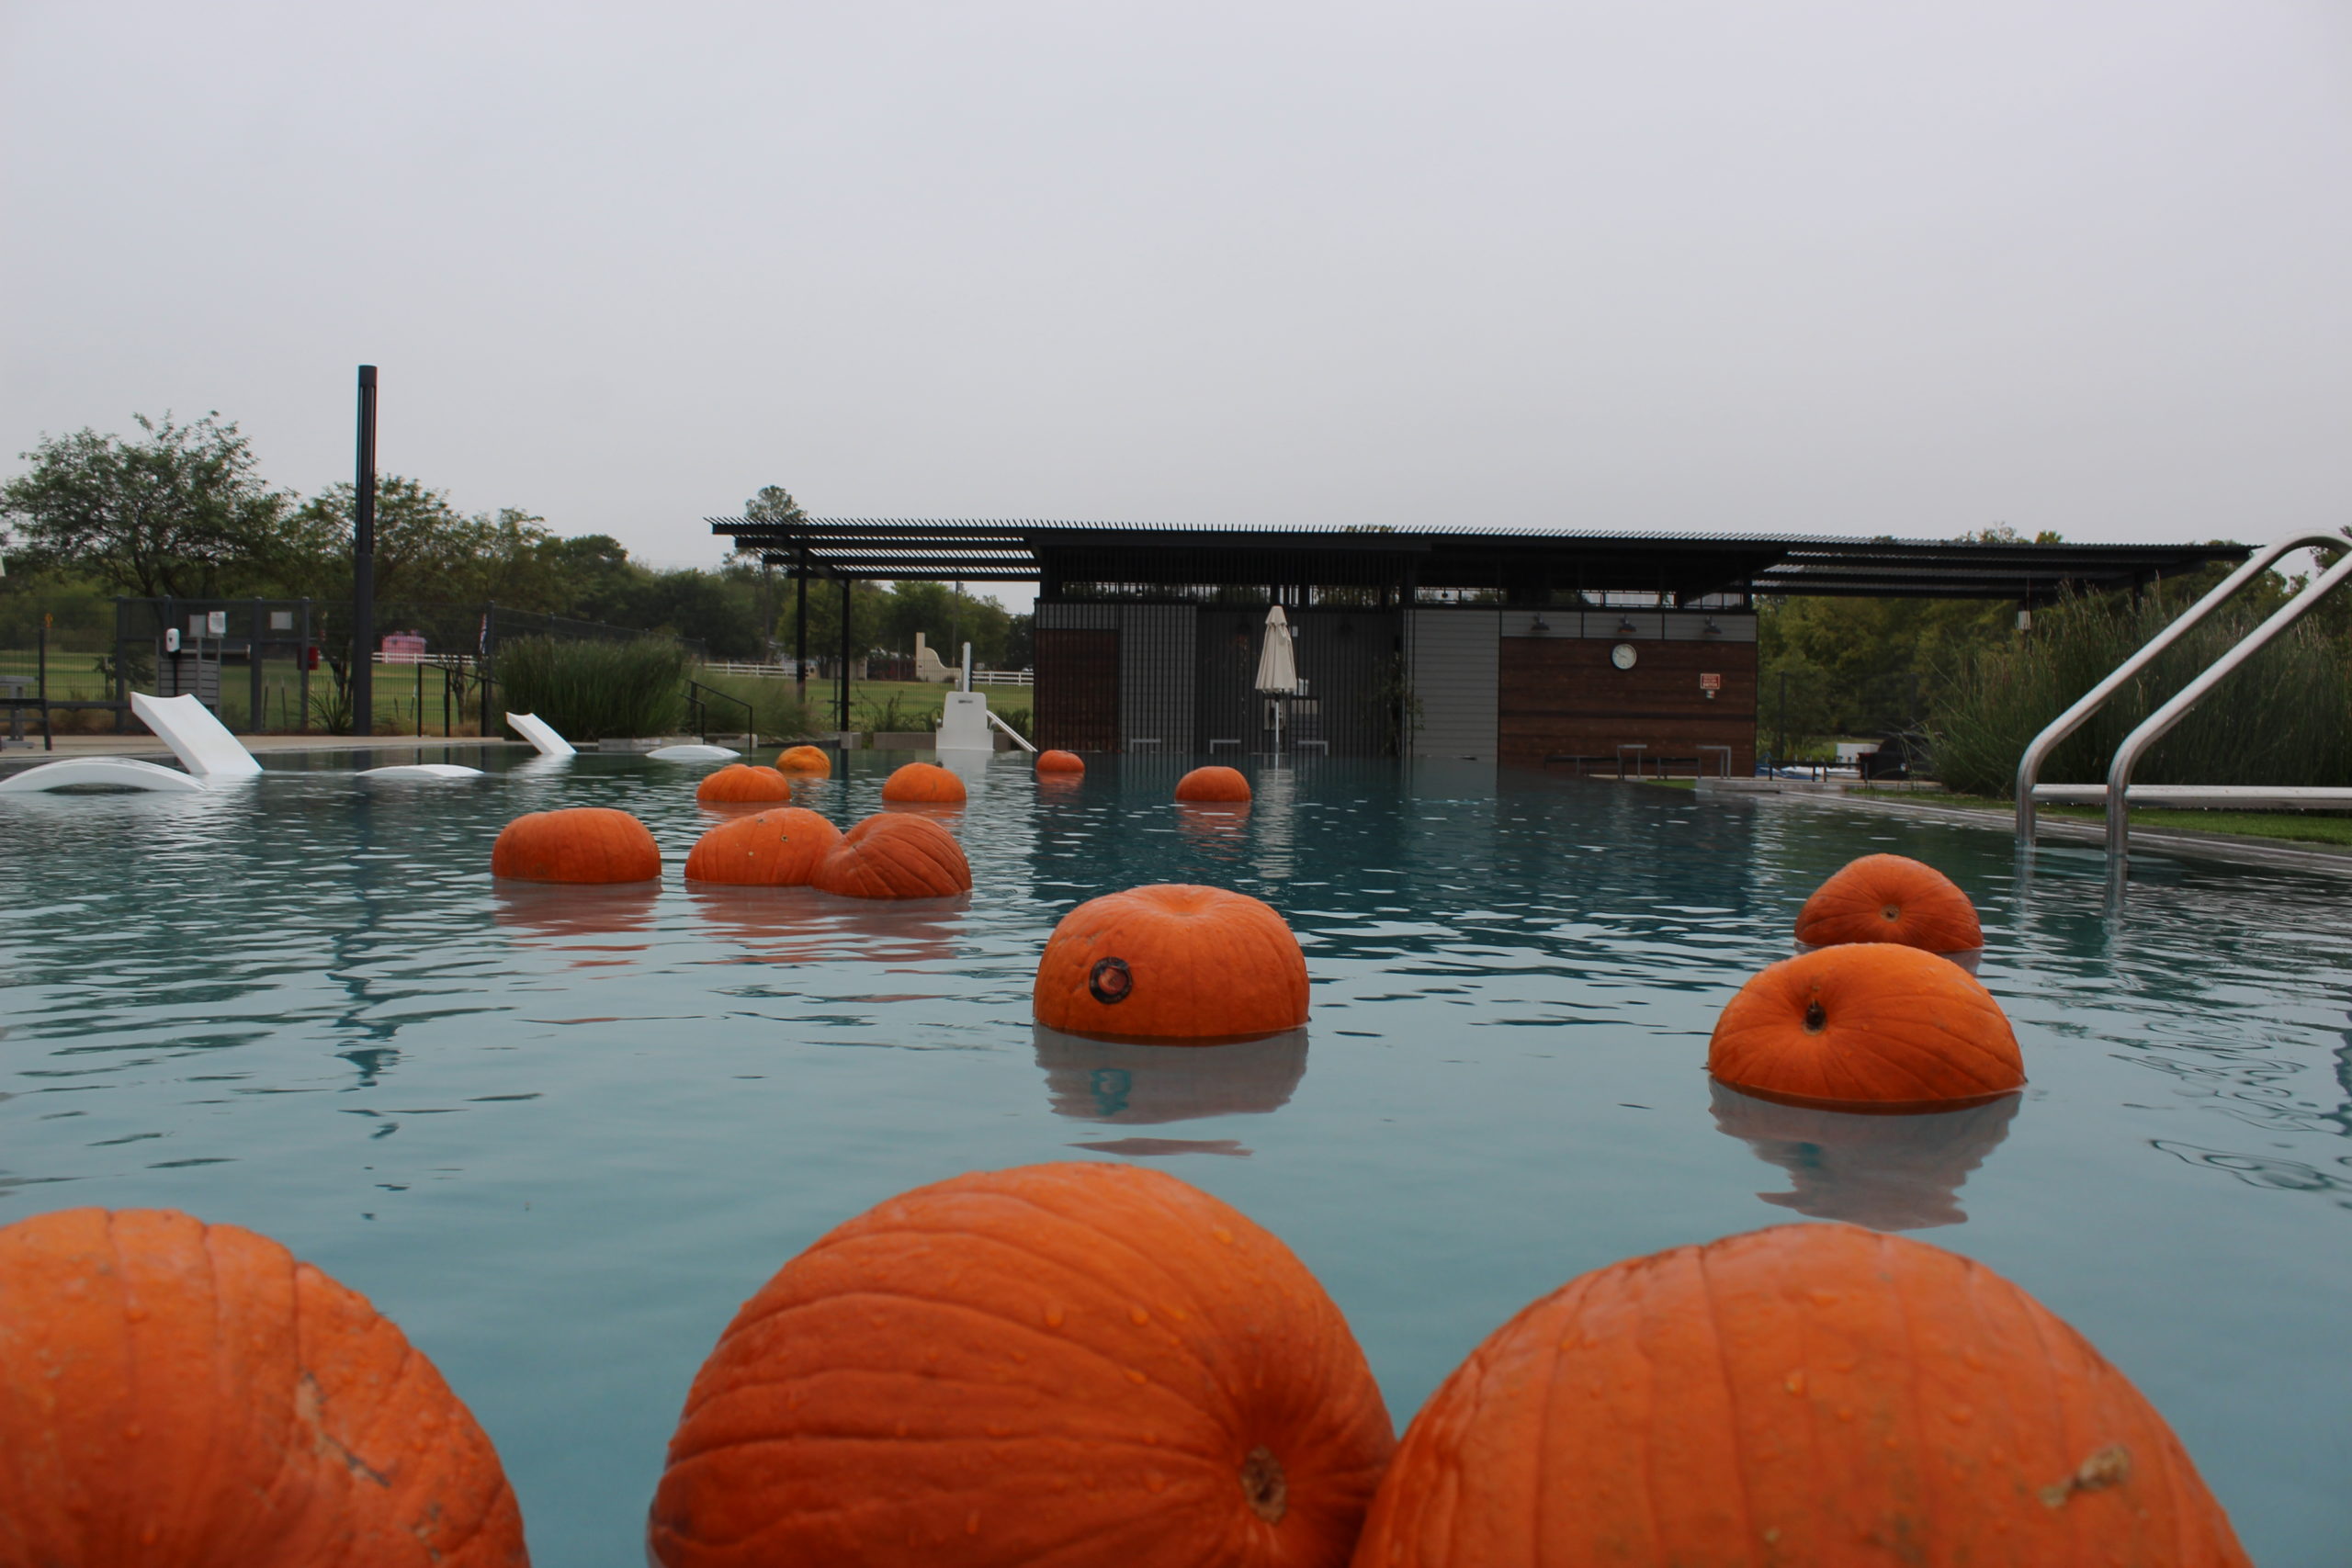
x,y
559,1137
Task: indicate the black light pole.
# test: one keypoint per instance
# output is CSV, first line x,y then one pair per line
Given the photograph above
x,y
362,565
800,650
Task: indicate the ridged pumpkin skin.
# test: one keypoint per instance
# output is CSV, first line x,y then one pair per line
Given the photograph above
x,y
740,782
923,781
1063,1365
191,1394
805,760
1060,763
580,844
1870,1024
1815,1395
775,848
1172,962
1213,784
1891,899
891,855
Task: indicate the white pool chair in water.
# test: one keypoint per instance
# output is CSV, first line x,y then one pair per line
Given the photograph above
x,y
210,754
541,734
692,753
422,772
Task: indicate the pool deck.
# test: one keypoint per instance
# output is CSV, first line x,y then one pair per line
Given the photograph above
x,y
2235,847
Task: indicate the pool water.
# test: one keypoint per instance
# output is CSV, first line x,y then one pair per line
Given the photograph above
x,y
559,1134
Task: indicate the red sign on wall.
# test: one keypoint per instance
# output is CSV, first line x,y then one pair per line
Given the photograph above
x,y
1711,682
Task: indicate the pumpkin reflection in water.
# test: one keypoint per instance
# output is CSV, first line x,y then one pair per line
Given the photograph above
x,y
800,925
1892,1172
1221,831
1138,1084
593,923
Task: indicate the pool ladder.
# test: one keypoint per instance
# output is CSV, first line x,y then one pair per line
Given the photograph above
x,y
2118,793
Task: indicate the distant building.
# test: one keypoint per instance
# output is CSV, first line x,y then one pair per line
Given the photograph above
x,y
1513,647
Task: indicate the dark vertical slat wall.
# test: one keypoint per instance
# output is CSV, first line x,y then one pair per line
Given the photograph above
x,y
1078,687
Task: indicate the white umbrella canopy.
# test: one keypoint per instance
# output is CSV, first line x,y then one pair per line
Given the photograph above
x,y
1277,663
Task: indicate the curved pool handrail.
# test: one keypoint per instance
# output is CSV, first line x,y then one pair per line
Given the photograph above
x,y
2038,750
2153,727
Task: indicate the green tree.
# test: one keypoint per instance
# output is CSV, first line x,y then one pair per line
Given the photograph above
x,y
425,550
182,513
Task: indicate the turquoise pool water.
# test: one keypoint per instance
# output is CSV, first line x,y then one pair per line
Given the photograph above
x,y
560,1135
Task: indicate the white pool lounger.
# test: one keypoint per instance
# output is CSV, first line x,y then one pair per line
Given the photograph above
x,y
694,753
422,772
539,733
211,755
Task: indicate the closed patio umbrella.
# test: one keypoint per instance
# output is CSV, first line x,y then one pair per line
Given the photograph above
x,y
1277,667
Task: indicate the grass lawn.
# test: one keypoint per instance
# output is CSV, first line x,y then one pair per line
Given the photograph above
x,y
2307,826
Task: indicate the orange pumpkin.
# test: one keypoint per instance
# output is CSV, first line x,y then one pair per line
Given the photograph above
x,y
892,855
1069,1364
923,783
1213,784
1172,962
776,849
184,1394
740,781
580,844
1891,899
1814,1394
1060,763
1867,1023
805,760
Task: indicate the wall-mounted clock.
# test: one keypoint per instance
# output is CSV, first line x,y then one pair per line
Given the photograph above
x,y
1622,656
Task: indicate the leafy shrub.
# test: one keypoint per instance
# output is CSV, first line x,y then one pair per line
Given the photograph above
x,y
592,691
2285,717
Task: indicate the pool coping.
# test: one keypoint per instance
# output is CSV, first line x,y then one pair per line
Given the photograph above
x,y
2234,848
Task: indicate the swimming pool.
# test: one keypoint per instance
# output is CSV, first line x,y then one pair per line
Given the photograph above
x,y
559,1134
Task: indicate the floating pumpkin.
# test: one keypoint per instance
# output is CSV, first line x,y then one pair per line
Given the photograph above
x,y
805,760
1868,1023
923,783
1889,1172
1891,899
892,855
1060,763
1072,1364
1213,784
580,844
1172,962
1811,1394
740,782
184,1394
776,849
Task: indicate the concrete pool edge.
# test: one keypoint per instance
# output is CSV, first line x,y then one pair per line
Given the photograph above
x,y
2234,848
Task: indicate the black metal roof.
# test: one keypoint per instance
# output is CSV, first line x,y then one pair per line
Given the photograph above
x,y
1520,560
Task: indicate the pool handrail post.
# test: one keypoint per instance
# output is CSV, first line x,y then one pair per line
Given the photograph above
x,y
2154,727
2038,750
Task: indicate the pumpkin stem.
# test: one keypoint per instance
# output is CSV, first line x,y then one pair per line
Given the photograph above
x,y
1262,1485
1815,1019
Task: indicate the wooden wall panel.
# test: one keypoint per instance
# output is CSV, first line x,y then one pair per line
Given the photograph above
x,y
1560,696
1077,690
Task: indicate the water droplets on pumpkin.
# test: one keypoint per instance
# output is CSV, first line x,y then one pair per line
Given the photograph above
x,y
1139,1317
1794,1382
1961,1415
1053,1315
1136,1375
1222,1234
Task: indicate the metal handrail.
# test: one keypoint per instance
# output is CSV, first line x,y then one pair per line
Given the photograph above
x,y
2038,750
2153,727
699,696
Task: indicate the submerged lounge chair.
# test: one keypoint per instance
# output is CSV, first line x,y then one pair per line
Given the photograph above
x,y
210,754
541,734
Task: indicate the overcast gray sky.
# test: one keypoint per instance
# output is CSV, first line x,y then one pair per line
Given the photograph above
x,y
1871,266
